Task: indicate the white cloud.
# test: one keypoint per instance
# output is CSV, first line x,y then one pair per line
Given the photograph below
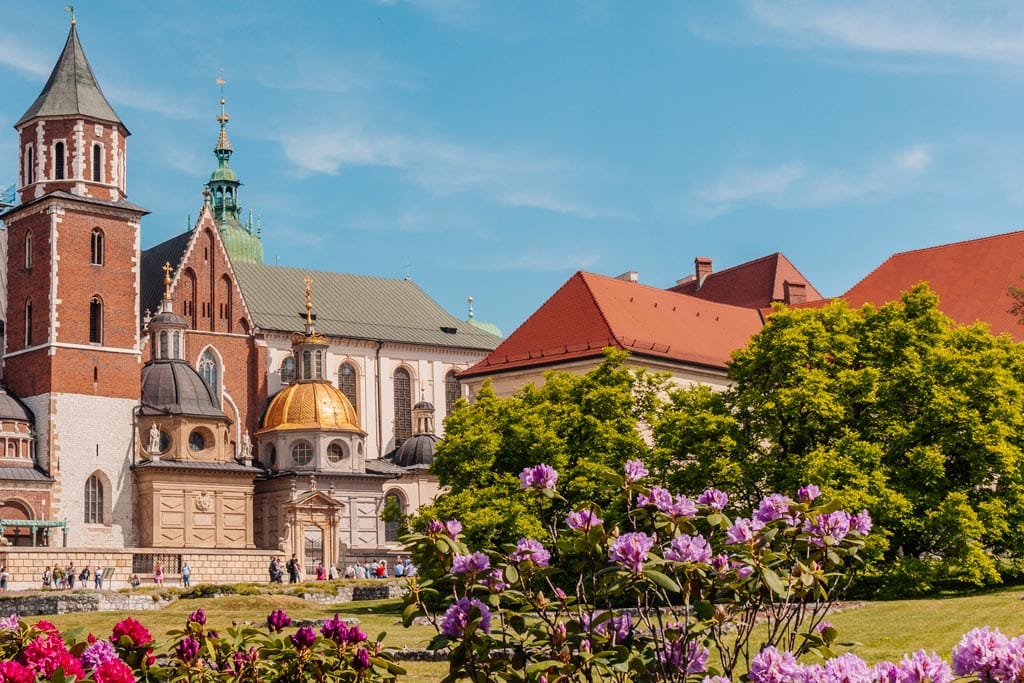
x,y
741,184
915,159
534,260
17,56
979,30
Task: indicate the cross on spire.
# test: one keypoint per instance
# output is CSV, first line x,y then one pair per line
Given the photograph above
x,y
167,279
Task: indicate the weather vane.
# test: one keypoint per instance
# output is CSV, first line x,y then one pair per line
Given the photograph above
x,y
71,8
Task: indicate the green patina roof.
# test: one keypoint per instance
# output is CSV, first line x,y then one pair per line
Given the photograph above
x,y
224,173
241,243
71,89
489,328
354,306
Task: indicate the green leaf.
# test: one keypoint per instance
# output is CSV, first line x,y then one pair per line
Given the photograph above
x,y
662,580
773,582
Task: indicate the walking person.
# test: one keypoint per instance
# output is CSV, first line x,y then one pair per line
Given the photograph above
x,y
186,575
158,574
69,576
97,577
293,570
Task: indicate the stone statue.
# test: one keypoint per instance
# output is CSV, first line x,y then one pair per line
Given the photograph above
x,y
154,440
246,446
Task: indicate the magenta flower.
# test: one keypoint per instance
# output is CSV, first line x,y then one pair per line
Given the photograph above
x,y
583,520
922,667
686,548
529,549
338,630
470,564
278,621
635,471
772,666
459,615
304,638
538,477
197,617
362,659
742,531
630,550
714,499
187,649
805,494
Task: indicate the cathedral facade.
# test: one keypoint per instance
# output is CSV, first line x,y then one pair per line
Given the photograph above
x,y
188,396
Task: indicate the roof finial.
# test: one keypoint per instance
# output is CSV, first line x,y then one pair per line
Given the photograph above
x,y
71,8
167,279
469,299
309,300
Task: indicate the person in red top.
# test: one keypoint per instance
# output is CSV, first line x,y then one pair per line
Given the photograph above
x,y
321,573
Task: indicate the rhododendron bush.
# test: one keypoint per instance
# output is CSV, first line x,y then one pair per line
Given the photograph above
x,y
336,651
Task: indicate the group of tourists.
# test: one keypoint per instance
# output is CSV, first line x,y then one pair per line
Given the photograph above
x,y
379,569
371,569
64,578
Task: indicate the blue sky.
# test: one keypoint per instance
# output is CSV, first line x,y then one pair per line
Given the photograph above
x,y
496,148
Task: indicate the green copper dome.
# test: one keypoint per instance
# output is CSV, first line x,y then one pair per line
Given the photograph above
x,y
241,242
224,173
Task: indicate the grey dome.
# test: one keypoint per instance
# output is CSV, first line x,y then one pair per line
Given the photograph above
x,y
13,409
174,388
168,319
423,405
416,451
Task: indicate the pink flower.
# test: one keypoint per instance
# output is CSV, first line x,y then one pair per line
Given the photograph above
x,y
114,671
772,666
47,653
529,549
922,667
13,672
470,564
583,520
714,499
686,548
136,633
635,471
538,477
630,550
742,531
805,494
773,507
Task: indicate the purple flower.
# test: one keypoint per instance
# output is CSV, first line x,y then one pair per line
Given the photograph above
x,y
686,548
716,679
538,477
979,652
278,621
742,531
886,672
630,550
339,631
635,471
304,638
681,508
453,528
458,616
99,652
820,628
616,628
243,659
719,562
197,617
862,523
9,623
529,549
773,507
362,659
686,656
848,668
714,499
922,667
187,649
742,570
660,498
830,525
495,580
805,494
771,666
583,520
470,564
435,528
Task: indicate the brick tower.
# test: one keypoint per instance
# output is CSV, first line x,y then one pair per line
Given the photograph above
x,y
72,344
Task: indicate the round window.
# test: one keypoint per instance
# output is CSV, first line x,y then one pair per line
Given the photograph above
x,y
302,453
335,452
196,441
165,442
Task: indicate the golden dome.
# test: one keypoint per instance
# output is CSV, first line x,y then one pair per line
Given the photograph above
x,y
310,405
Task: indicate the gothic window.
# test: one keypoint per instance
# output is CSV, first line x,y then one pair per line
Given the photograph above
x,y
208,369
58,161
393,509
302,453
403,406
97,163
347,384
452,391
28,323
97,247
225,303
93,500
28,250
95,321
288,370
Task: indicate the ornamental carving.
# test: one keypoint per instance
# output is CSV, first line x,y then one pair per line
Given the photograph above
x,y
204,502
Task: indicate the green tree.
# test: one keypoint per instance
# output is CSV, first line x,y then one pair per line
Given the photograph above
x,y
585,426
889,408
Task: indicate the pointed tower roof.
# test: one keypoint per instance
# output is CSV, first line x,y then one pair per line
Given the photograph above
x,y
72,89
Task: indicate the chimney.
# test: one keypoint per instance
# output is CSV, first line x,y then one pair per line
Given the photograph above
x,y
795,292
629,276
702,266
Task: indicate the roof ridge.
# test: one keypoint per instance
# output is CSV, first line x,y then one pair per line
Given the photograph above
x,y
957,244
671,293
597,304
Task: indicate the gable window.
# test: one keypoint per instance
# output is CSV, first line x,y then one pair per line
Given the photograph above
x,y
347,384
93,500
28,250
209,371
452,391
58,161
97,163
288,370
97,247
403,406
95,321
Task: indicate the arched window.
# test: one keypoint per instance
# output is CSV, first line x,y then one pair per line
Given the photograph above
x,y
93,500
452,391
403,406
307,364
164,351
97,163
347,384
95,321
288,370
58,161
28,249
30,165
177,345
302,453
28,323
97,247
394,511
209,370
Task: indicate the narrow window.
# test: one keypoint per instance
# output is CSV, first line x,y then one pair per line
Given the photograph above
x,y
97,247
93,500
209,371
307,366
177,345
58,161
394,510
28,250
288,370
95,321
97,163
30,170
347,384
163,345
403,406
452,391
28,323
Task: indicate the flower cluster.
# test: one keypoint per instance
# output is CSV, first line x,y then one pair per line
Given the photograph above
x,y
341,632
528,549
451,528
989,655
538,477
278,621
458,617
631,550
774,666
583,520
470,564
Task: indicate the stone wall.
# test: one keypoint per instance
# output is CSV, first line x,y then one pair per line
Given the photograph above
x,y
58,602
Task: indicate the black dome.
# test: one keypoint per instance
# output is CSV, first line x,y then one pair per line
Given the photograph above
x,y
13,409
169,319
423,405
416,450
174,388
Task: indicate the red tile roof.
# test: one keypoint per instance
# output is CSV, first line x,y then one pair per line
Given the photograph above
x,y
754,284
971,278
590,312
